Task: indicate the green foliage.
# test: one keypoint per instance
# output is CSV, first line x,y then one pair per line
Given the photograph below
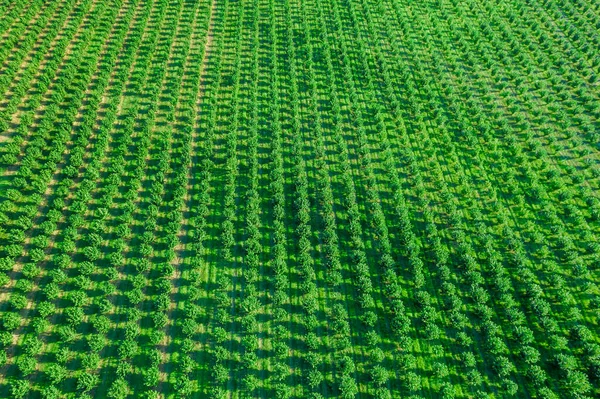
x,y
56,373
391,198
348,388
19,389
118,389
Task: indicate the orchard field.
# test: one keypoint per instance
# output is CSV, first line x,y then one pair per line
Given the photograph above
x,y
299,199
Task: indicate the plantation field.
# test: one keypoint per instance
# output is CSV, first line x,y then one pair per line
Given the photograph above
x,y
299,199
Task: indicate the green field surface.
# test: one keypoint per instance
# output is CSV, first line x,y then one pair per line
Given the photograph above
x,y
354,199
